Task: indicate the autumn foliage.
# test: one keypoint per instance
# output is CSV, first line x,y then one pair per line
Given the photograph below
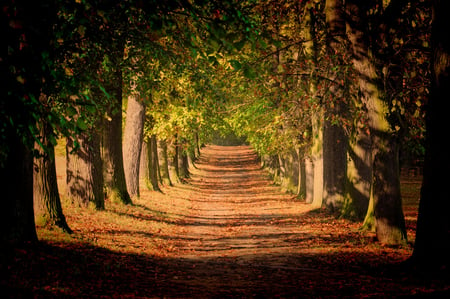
x,y
228,232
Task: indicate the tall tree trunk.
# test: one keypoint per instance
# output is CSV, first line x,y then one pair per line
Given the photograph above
x,y
359,176
390,225
173,161
335,141
132,142
309,180
47,203
311,51
183,162
163,162
112,142
387,201
197,145
153,164
317,158
432,244
16,179
301,187
84,174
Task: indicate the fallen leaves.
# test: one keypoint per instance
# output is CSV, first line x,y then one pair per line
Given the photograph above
x,y
228,233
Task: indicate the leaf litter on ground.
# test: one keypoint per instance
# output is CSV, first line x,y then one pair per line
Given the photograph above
x,y
227,232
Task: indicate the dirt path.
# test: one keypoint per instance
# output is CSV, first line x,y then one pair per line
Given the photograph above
x,y
245,238
238,210
227,233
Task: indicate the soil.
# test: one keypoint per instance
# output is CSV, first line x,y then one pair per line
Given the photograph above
x,y
228,231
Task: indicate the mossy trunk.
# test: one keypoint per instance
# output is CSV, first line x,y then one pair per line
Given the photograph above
x,y
359,176
114,173
390,227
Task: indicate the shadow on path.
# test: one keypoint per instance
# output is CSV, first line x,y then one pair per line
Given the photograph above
x,y
229,232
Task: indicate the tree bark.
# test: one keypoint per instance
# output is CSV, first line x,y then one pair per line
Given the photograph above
x,y
359,176
390,225
309,180
153,164
164,163
317,121
112,143
301,187
47,203
432,245
16,179
84,175
173,161
132,142
183,162
335,141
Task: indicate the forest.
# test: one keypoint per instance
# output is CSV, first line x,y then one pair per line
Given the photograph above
x,y
135,106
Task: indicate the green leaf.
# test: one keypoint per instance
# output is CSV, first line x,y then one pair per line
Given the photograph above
x,y
71,111
91,109
235,64
249,72
81,124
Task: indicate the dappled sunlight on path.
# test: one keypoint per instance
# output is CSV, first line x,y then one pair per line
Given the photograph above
x,y
238,211
226,232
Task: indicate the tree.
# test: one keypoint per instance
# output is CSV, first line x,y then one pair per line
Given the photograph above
x,y
164,162
114,173
335,139
390,225
152,173
84,177
433,225
132,142
47,202
26,32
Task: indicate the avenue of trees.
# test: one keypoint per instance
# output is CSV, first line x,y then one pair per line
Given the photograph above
x,y
334,95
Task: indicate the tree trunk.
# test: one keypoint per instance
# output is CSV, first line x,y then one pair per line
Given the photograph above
x,y
173,161
112,144
317,159
132,142
183,162
387,203
301,187
197,145
16,179
432,245
84,175
388,211
311,51
163,162
309,180
153,164
335,141
359,176
47,203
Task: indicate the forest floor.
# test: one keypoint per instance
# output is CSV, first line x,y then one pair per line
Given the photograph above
x,y
226,232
